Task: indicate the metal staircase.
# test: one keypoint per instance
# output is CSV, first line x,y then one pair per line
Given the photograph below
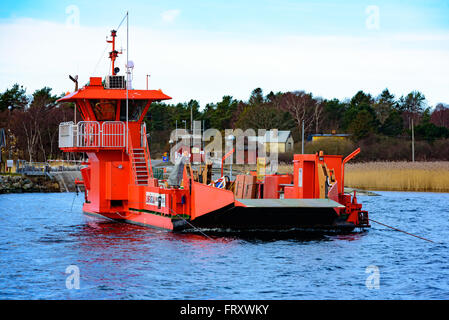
x,y
140,166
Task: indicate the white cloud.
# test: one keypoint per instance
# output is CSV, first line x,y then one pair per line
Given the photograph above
x,y
207,65
170,15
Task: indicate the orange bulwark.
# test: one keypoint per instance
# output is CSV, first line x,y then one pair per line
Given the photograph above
x,y
120,185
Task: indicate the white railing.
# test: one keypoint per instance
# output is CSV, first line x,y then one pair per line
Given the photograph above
x,y
143,135
113,134
89,134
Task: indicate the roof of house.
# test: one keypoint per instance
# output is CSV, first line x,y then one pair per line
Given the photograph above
x,y
270,136
281,136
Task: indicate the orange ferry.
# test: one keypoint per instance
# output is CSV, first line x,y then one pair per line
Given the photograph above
x,y
119,183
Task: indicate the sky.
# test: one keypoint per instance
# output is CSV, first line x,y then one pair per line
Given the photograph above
x,y
204,50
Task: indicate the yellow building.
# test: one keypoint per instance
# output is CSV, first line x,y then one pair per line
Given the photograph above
x,y
328,137
277,140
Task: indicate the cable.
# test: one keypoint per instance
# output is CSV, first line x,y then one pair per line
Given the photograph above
x,y
76,195
101,57
190,224
123,217
122,21
400,230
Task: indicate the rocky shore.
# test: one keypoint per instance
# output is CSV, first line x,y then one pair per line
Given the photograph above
x,y
22,184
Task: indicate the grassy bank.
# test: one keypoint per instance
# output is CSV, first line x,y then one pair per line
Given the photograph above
x,y
399,176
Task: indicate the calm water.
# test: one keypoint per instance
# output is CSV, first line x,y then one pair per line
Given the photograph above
x,y
40,236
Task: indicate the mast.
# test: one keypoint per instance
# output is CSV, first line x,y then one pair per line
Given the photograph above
x,y
114,53
127,77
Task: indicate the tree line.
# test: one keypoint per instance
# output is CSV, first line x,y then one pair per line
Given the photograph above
x,y
381,124
31,123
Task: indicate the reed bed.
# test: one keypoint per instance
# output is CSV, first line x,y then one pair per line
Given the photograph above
x,y
398,176
388,176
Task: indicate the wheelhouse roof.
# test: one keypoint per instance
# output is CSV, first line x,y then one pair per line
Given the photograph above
x,y
99,92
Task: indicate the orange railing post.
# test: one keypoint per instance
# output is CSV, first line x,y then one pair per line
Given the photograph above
x,y
352,155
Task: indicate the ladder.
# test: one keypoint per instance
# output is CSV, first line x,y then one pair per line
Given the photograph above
x,y
140,166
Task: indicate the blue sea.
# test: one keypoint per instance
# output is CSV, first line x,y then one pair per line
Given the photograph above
x,y
50,250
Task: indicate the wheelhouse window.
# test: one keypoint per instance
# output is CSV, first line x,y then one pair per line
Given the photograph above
x,y
104,110
135,109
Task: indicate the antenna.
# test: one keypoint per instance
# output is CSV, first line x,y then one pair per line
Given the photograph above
x,y
127,76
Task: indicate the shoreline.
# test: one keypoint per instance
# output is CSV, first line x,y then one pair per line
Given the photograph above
x,y
58,182
364,177
27,184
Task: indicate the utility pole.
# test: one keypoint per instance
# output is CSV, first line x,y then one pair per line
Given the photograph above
x,y
302,149
147,80
202,137
413,143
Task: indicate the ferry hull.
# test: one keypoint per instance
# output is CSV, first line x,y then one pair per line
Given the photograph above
x,y
242,219
148,220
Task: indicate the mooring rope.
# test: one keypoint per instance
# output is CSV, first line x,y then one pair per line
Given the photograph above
x,y
196,228
414,235
76,195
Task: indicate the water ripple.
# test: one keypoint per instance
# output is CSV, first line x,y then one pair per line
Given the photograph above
x,y
40,237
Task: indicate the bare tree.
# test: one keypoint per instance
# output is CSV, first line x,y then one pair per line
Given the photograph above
x,y
24,128
302,107
318,111
440,116
35,128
